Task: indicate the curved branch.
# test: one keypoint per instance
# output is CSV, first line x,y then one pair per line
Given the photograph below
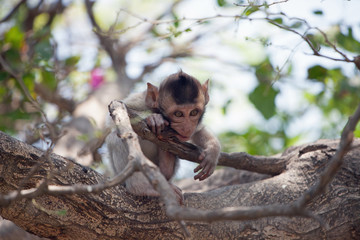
x,y
260,164
188,151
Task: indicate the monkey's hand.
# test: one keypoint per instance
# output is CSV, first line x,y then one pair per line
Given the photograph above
x,y
209,158
156,123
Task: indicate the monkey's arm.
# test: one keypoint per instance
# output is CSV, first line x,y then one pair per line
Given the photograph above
x,y
210,155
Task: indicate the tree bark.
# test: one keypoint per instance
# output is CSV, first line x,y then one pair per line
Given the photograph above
x,y
116,214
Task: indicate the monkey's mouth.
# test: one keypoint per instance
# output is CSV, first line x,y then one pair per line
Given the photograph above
x,y
183,138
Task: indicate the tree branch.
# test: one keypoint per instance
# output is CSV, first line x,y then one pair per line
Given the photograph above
x,y
184,150
54,190
17,157
336,161
119,115
242,213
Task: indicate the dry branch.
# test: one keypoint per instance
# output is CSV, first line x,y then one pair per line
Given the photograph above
x,y
188,151
119,115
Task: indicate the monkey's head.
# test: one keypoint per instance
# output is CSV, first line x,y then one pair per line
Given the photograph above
x,y
181,99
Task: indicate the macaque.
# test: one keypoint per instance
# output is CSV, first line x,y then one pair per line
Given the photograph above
x,y
179,103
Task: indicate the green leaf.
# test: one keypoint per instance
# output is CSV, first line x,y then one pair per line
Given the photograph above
x,y
278,20
263,98
315,41
176,34
13,57
264,71
3,76
29,81
296,25
44,50
318,73
348,42
318,12
8,120
221,3
15,37
250,10
225,107
176,18
40,21
49,80
337,75
72,61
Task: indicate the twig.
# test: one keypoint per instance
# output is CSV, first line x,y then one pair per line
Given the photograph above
x,y
315,51
260,5
44,188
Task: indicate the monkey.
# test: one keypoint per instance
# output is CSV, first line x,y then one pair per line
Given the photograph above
x,y
179,103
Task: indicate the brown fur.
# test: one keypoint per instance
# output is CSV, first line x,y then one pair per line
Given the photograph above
x,y
149,105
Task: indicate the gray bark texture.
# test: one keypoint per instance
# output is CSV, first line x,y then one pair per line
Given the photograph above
x,y
116,214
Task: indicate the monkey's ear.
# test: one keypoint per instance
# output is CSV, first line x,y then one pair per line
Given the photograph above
x,y
152,95
205,88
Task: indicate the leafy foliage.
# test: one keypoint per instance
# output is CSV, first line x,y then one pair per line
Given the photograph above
x,y
263,98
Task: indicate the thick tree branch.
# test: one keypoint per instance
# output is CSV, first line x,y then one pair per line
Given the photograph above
x,y
44,186
346,140
16,158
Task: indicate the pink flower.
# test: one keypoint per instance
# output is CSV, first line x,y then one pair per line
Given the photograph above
x,y
96,78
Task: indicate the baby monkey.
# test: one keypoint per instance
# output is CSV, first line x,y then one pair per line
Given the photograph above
x,y
179,103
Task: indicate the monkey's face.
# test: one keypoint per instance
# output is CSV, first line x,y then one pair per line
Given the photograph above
x,y
184,119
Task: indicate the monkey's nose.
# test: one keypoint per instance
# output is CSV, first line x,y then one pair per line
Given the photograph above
x,y
186,131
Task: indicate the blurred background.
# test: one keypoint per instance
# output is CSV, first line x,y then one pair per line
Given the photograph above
x,y
281,72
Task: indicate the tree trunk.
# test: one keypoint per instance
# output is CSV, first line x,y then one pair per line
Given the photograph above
x,y
116,214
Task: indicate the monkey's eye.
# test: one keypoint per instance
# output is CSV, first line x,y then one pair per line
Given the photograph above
x,y
178,114
194,112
